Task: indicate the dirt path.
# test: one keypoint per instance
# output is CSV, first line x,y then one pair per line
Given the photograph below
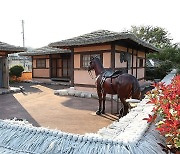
x,y
41,107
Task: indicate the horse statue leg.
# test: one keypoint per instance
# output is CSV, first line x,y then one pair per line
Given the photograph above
x,y
104,99
98,112
125,109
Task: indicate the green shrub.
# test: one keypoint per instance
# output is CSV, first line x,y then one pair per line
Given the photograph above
x,y
16,71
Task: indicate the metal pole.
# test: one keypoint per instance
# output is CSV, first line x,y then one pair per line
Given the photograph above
x,y
23,32
24,60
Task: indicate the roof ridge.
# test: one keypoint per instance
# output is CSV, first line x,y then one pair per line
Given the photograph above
x,y
101,36
83,35
8,47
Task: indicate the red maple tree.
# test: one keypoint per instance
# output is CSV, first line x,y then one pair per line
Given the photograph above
x,y
166,111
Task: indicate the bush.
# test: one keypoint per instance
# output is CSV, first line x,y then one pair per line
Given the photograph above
x,y
16,71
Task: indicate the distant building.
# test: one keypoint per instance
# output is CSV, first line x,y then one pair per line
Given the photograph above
x,y
6,49
15,59
50,63
153,63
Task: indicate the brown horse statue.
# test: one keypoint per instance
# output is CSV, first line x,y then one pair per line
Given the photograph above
x,y
109,82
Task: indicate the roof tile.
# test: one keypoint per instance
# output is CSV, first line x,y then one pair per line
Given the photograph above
x,y
101,36
10,48
44,51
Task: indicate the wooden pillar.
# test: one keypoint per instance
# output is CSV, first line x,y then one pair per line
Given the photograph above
x,y
136,62
5,73
145,66
127,61
50,66
72,67
32,67
1,72
132,65
113,56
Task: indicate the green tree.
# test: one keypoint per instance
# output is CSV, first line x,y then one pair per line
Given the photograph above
x,y
171,54
16,71
157,36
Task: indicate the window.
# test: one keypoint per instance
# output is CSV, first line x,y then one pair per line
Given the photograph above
x,y
86,59
41,63
140,62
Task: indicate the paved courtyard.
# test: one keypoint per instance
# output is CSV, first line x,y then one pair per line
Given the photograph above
x,y
41,107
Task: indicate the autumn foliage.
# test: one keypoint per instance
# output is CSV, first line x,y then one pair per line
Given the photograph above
x,y
166,100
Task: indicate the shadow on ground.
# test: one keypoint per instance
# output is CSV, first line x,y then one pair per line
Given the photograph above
x,y
30,87
11,108
92,105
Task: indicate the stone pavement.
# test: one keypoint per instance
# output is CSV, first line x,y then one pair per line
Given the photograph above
x,y
41,107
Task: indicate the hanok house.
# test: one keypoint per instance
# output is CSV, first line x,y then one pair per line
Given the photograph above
x,y
50,63
119,51
6,49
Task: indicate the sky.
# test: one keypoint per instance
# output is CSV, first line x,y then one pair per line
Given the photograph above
x,y
47,21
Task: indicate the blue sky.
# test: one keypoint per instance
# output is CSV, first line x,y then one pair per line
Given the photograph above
x,y
48,21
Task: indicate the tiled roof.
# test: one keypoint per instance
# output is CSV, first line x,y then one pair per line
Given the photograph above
x,y
10,48
101,36
44,51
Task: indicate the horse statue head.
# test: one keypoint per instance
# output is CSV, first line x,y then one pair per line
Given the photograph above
x,y
91,64
94,61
